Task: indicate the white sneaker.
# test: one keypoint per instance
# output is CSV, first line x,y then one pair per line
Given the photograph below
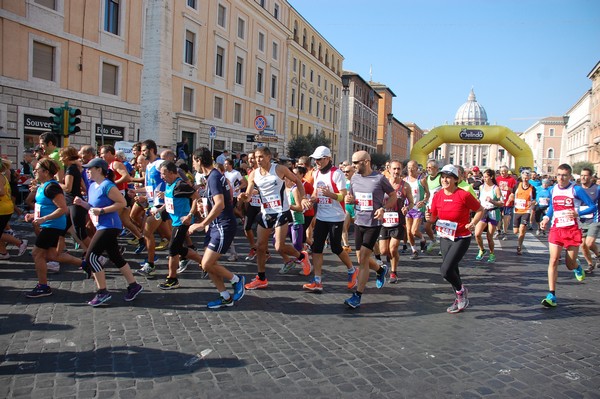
x,y
233,257
53,267
183,265
22,247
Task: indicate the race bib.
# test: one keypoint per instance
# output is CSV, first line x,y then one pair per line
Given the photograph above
x,y
446,229
520,204
204,207
589,215
391,219
255,200
504,194
94,218
37,212
150,193
544,201
324,201
273,202
486,204
562,219
169,205
364,201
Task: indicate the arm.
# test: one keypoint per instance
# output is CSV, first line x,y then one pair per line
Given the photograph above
x,y
285,172
68,184
216,210
298,200
426,194
249,188
122,170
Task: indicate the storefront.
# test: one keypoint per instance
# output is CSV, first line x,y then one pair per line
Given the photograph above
x,y
108,134
33,126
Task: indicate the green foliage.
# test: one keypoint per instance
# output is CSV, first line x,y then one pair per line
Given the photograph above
x,y
305,145
578,166
379,160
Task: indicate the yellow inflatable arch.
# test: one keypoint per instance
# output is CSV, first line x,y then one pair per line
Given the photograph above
x,y
461,134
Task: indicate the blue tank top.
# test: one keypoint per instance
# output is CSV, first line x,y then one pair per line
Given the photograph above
x,y
44,206
177,207
98,198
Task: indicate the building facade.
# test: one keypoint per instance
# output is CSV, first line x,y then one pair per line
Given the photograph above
x,y
575,142
594,138
545,139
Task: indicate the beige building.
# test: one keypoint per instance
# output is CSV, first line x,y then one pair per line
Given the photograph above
x,y
545,139
575,142
594,138
313,83
88,53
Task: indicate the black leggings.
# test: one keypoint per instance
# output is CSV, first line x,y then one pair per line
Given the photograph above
x,y
79,220
105,240
331,229
453,252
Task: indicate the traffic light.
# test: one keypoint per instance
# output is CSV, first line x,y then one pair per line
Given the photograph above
x,y
57,120
72,120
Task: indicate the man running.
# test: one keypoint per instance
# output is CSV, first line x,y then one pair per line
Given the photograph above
x,y
589,222
507,184
523,196
434,184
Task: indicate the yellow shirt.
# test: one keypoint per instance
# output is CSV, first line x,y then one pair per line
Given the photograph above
x,y
6,204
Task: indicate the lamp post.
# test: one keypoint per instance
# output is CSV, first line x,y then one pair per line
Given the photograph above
x,y
344,134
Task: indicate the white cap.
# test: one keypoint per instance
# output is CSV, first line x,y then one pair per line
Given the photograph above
x,y
321,152
450,170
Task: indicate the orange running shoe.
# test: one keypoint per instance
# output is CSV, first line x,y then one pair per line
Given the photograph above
x,y
353,279
307,267
257,284
313,286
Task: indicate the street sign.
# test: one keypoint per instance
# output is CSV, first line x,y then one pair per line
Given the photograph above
x,y
213,132
250,138
261,138
260,123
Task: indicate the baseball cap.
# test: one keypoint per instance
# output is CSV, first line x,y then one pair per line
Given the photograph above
x,y
321,152
475,169
97,163
450,170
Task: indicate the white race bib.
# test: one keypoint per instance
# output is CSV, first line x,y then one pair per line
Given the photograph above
x,y
364,201
255,200
273,202
169,205
446,229
562,219
520,204
37,212
391,219
544,201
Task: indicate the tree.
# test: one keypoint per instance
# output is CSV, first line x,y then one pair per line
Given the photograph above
x,y
379,160
578,166
305,145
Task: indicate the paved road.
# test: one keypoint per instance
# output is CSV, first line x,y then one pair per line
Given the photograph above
x,y
282,342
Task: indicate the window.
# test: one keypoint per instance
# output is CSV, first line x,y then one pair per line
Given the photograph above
x,y
188,99
239,70
43,61
191,3
271,121
219,61
303,70
301,101
221,16
237,147
111,16
551,132
319,80
276,11
190,40
262,3
318,108
218,112
294,64
273,86
241,28
259,80
110,75
51,4
550,153
261,41
312,73
275,50
310,105
237,113
258,111
293,97
550,169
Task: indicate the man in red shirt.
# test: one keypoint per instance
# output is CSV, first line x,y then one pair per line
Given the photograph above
x,y
507,184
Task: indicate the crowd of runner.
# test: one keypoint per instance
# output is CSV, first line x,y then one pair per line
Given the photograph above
x,y
296,209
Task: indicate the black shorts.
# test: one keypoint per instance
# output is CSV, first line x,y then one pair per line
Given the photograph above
x,y
4,219
324,229
271,220
396,232
251,213
520,219
177,244
48,238
366,236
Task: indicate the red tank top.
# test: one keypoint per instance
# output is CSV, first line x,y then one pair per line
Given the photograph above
x,y
120,186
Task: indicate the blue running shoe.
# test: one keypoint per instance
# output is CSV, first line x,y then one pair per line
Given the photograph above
x,y
220,303
140,248
549,301
238,289
579,273
380,282
353,302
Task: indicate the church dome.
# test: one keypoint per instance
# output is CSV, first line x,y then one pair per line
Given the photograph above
x,y
471,113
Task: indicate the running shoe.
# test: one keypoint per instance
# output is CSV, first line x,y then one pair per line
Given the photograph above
x,y
162,245
590,269
415,255
480,255
549,301
257,284
289,265
220,303
169,284
353,302
147,270
141,247
307,248
233,257
307,267
101,298
53,267
39,291
4,256
579,273
123,233
313,286
393,278
251,254
404,249
423,244
133,292
433,245
353,279
238,289
491,258
134,241
538,232
504,237
380,281
183,265
519,251
460,303
22,247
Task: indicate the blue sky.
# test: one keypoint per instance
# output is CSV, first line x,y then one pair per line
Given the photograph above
x,y
525,59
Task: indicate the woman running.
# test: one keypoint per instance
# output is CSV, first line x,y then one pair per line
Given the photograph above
x,y
491,200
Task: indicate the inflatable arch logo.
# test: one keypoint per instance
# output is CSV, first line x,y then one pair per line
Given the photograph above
x,y
461,134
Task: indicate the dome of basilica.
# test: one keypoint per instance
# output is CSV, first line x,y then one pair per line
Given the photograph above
x,y
471,113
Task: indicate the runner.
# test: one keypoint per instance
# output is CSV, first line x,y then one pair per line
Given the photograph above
x,y
507,184
434,185
414,217
564,230
523,196
450,210
542,200
348,173
7,208
491,200
589,222
252,211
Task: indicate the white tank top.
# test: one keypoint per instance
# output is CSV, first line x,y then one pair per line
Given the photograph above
x,y
272,191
